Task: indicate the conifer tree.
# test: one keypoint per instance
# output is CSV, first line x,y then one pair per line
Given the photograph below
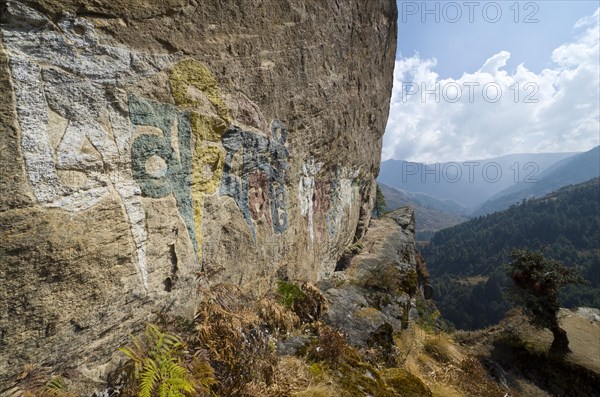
x,y
538,281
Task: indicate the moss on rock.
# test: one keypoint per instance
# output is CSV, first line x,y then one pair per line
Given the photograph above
x,y
405,384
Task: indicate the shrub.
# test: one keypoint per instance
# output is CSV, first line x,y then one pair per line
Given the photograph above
x,y
233,335
306,301
538,281
289,293
429,316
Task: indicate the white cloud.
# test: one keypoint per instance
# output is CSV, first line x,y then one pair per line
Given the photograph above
x,y
496,62
556,110
590,20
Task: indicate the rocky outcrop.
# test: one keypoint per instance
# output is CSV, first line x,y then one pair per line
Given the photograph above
x,y
146,146
375,296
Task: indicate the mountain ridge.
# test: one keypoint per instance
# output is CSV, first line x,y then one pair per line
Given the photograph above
x,y
571,170
428,219
470,183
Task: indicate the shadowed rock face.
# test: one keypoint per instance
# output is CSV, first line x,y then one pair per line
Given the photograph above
x,y
375,296
143,143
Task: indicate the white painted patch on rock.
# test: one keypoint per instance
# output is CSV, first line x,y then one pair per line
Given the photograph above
x,y
306,191
61,72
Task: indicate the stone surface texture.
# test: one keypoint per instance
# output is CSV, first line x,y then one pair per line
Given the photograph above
x,y
149,146
377,292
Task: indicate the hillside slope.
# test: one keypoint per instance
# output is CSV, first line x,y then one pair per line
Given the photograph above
x,y
353,335
469,183
466,260
570,171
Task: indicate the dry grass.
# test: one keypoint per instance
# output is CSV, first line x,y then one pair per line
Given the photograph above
x,y
348,370
235,334
37,381
330,347
239,334
305,300
292,374
445,367
295,377
319,391
442,348
445,390
274,316
232,333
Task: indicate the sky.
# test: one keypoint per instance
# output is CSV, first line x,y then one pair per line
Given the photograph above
x,y
480,79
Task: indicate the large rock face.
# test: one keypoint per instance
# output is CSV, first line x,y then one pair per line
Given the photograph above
x,y
146,145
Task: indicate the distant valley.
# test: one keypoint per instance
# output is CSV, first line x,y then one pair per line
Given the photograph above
x,y
431,214
474,188
466,261
571,170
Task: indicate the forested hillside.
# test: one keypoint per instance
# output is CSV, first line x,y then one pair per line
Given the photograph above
x,y
466,261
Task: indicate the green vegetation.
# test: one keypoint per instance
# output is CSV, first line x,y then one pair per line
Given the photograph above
x,y
538,280
379,208
156,370
56,387
466,260
229,349
304,300
429,316
289,293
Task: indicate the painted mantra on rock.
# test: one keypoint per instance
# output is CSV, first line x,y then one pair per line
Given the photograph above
x,y
258,186
175,176
84,138
325,203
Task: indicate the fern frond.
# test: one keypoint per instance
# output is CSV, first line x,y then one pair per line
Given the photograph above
x,y
173,340
129,353
158,366
33,377
56,385
149,377
137,352
175,370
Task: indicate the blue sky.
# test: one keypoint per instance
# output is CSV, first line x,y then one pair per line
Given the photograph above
x,y
542,51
